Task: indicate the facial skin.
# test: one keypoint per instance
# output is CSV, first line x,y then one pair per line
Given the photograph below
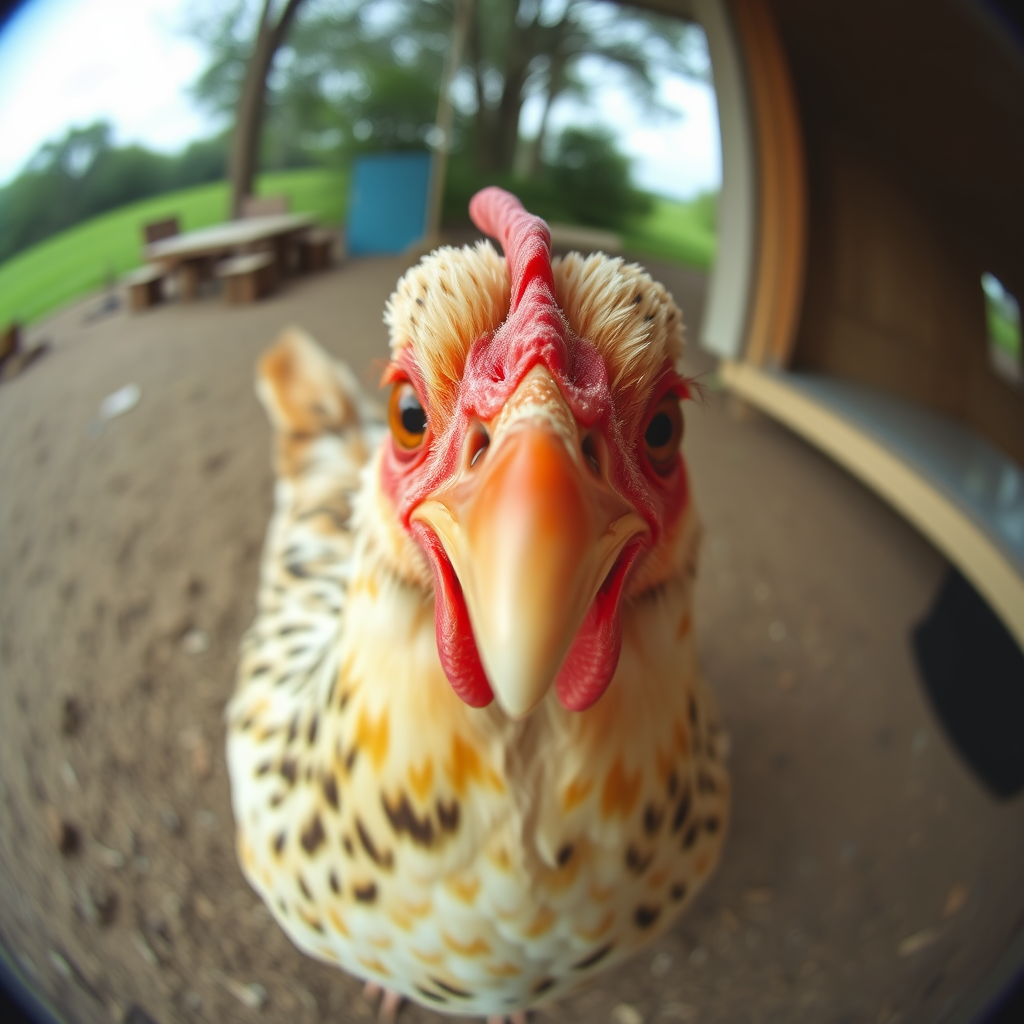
x,y
532,518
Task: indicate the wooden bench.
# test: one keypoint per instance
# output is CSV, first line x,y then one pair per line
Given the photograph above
x,y
963,494
316,249
248,278
145,286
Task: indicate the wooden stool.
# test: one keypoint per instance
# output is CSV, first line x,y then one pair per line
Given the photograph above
x,y
145,286
247,278
316,247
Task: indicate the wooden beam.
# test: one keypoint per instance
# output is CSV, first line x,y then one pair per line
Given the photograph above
x,y
942,521
781,250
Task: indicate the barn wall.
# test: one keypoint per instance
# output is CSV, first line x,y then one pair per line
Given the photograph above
x,y
899,231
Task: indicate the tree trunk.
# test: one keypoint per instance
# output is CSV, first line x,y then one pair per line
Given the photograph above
x,y
506,136
249,119
556,84
464,14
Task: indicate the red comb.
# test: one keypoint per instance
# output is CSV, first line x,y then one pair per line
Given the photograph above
x,y
524,237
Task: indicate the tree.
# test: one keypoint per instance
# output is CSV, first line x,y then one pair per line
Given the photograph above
x,y
519,48
249,118
236,78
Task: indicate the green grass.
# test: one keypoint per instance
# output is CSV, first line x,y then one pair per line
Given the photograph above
x,y
681,232
1003,332
84,258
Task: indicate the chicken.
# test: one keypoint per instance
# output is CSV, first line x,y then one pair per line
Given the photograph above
x,y
472,756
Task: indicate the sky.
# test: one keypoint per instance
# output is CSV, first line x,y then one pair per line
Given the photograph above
x,y
67,63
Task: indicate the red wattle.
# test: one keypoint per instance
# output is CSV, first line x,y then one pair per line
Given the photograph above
x,y
455,644
591,662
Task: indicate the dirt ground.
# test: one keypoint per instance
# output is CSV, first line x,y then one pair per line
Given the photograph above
x,y
867,878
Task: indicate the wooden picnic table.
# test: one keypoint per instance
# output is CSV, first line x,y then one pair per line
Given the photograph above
x,y
186,253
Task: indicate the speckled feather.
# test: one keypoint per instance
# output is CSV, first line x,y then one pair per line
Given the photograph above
x,y
472,863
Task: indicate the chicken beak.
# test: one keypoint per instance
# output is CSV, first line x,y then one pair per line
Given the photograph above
x,y
532,534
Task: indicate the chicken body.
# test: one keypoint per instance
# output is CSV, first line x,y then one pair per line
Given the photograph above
x,y
475,859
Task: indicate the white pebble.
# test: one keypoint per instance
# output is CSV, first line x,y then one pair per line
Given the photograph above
x,y
195,641
626,1014
68,776
253,996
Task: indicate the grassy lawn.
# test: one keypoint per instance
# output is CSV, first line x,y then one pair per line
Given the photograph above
x,y
675,231
84,258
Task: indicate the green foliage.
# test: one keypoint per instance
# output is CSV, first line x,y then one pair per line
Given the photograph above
x,y
592,178
358,75
82,174
588,183
85,258
398,112
683,232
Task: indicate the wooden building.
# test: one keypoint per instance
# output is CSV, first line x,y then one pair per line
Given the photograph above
x,y
873,172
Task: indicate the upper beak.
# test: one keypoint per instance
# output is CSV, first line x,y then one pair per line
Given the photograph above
x,y
532,533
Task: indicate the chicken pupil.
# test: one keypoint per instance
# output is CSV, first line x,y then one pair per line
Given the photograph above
x,y
414,419
659,431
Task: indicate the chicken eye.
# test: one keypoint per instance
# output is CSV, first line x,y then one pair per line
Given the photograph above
x,y
406,416
663,434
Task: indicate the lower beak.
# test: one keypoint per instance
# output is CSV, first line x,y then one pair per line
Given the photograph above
x,y
532,535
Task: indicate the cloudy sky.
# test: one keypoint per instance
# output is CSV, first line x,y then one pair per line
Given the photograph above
x,y
72,62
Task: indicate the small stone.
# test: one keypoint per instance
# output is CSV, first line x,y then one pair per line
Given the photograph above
x,y
195,641
777,631
253,995
955,900
60,965
661,965
760,896
171,821
626,1014
919,742
64,835
919,940
206,819
193,1001
70,716
698,957
106,906
144,949
730,920
97,906
68,776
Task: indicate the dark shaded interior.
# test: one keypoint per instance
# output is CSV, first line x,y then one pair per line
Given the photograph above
x,y
912,117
